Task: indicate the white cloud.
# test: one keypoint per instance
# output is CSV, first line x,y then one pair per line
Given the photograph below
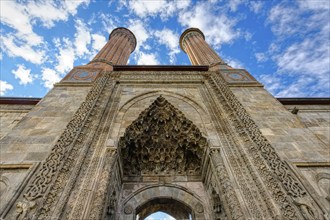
x,y
65,58
309,58
233,4
289,20
47,12
170,40
49,77
72,6
141,34
147,59
217,28
314,4
5,87
163,8
261,57
306,55
24,75
22,16
108,22
233,63
255,6
272,82
284,20
98,41
23,50
82,39
17,17
143,9
298,87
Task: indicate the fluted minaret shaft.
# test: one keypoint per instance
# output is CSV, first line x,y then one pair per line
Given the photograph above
x,y
192,41
120,45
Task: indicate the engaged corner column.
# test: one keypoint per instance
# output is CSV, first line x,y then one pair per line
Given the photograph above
x,y
117,50
192,42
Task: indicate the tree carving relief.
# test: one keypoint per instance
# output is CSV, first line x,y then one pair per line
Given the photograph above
x,y
162,141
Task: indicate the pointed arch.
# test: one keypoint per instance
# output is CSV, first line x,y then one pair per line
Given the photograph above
x,y
162,141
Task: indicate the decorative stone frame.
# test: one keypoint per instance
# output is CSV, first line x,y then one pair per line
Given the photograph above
x,y
178,193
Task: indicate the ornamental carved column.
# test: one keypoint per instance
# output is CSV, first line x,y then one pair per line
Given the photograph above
x,y
121,44
192,42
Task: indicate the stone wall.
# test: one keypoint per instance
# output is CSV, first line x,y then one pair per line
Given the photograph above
x,y
32,138
286,131
303,139
28,134
10,115
316,118
231,172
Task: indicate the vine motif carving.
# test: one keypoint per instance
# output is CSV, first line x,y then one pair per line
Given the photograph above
x,y
279,167
251,187
248,130
44,178
162,141
85,166
226,186
197,76
107,174
217,207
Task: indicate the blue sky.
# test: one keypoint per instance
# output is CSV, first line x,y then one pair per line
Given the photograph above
x,y
284,44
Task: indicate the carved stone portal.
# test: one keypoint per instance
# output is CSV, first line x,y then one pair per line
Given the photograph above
x,y
162,141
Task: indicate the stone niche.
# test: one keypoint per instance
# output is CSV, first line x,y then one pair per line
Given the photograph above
x,y
161,156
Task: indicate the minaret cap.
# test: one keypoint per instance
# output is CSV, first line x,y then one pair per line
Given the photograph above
x,y
128,33
186,32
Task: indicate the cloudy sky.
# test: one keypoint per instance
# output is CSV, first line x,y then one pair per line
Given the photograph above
x,y
284,44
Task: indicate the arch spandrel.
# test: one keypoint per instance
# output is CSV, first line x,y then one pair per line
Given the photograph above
x,y
162,141
129,107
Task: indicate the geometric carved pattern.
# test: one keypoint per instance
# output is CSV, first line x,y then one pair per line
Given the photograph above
x,y
81,75
43,179
162,141
233,76
262,150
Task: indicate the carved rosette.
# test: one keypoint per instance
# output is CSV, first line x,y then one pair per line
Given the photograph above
x,y
162,141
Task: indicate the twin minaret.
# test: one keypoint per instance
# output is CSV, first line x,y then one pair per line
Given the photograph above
x,y
122,43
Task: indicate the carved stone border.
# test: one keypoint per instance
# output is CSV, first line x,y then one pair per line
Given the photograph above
x,y
247,180
82,194
40,184
290,194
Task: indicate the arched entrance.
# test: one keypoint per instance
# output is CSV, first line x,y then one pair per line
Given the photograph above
x,y
160,215
177,201
161,158
169,206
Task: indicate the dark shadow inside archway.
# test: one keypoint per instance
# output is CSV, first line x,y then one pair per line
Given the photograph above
x,y
169,206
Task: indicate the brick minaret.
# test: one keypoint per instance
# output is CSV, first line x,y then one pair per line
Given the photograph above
x,y
121,44
192,41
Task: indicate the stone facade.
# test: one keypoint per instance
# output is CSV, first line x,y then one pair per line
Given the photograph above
x,y
202,142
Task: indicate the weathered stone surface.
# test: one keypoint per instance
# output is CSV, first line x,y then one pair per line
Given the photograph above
x,y
38,129
220,149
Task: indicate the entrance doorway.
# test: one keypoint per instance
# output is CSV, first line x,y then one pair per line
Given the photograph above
x,y
169,206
